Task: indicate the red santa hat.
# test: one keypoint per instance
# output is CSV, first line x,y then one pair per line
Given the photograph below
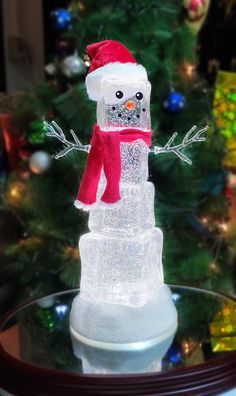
x,y
110,58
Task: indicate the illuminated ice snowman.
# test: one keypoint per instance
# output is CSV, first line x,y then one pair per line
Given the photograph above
x,y
123,302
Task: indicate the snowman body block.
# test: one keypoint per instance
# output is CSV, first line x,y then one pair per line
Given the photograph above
x,y
123,302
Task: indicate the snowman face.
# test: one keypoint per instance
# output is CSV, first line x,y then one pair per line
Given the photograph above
x,y
124,104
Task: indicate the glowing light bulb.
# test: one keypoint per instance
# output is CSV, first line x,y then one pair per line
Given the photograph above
x,y
223,226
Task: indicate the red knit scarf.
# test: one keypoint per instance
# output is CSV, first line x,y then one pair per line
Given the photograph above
x,y
105,153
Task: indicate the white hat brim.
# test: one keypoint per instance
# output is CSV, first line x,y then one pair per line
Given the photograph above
x,y
125,71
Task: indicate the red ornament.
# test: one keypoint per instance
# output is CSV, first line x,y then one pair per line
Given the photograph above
x,y
228,193
196,13
196,4
15,145
196,10
10,141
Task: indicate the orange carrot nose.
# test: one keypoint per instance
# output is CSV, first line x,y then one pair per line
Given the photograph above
x,y
130,105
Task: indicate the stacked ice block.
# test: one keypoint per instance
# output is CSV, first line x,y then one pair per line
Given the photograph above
x,y
122,297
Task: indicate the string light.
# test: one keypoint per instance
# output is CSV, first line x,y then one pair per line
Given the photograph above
x,y
223,226
188,346
32,243
15,193
72,252
215,268
188,70
185,346
24,174
81,6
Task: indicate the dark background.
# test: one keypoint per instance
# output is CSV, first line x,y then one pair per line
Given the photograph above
x,y
51,35
216,40
2,68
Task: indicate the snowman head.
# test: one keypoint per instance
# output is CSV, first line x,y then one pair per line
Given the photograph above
x,y
119,85
124,104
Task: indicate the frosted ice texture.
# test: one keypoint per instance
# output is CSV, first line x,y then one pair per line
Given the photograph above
x,y
134,163
121,257
132,216
121,270
135,213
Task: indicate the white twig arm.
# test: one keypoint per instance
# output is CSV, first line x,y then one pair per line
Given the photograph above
x,y
55,131
192,136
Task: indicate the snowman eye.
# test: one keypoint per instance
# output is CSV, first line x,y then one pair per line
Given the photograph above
x,y
139,95
119,94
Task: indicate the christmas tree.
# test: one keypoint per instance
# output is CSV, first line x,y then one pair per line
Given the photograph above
x,y
41,225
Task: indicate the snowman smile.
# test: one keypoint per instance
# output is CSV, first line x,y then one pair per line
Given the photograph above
x,y
127,113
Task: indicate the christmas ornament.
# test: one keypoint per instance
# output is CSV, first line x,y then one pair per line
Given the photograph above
x,y
230,154
228,193
47,302
174,354
175,102
61,311
223,328
73,66
37,132
61,18
224,109
39,162
122,281
46,318
196,13
232,180
15,145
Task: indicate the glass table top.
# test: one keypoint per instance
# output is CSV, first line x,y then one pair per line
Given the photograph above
x,y
38,334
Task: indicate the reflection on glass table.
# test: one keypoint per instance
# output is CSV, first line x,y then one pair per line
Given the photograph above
x,y
206,329
38,334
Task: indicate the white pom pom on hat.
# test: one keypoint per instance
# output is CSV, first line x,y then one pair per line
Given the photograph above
x,y
110,58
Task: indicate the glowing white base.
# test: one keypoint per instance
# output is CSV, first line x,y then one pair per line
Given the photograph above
x,y
121,327
116,361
